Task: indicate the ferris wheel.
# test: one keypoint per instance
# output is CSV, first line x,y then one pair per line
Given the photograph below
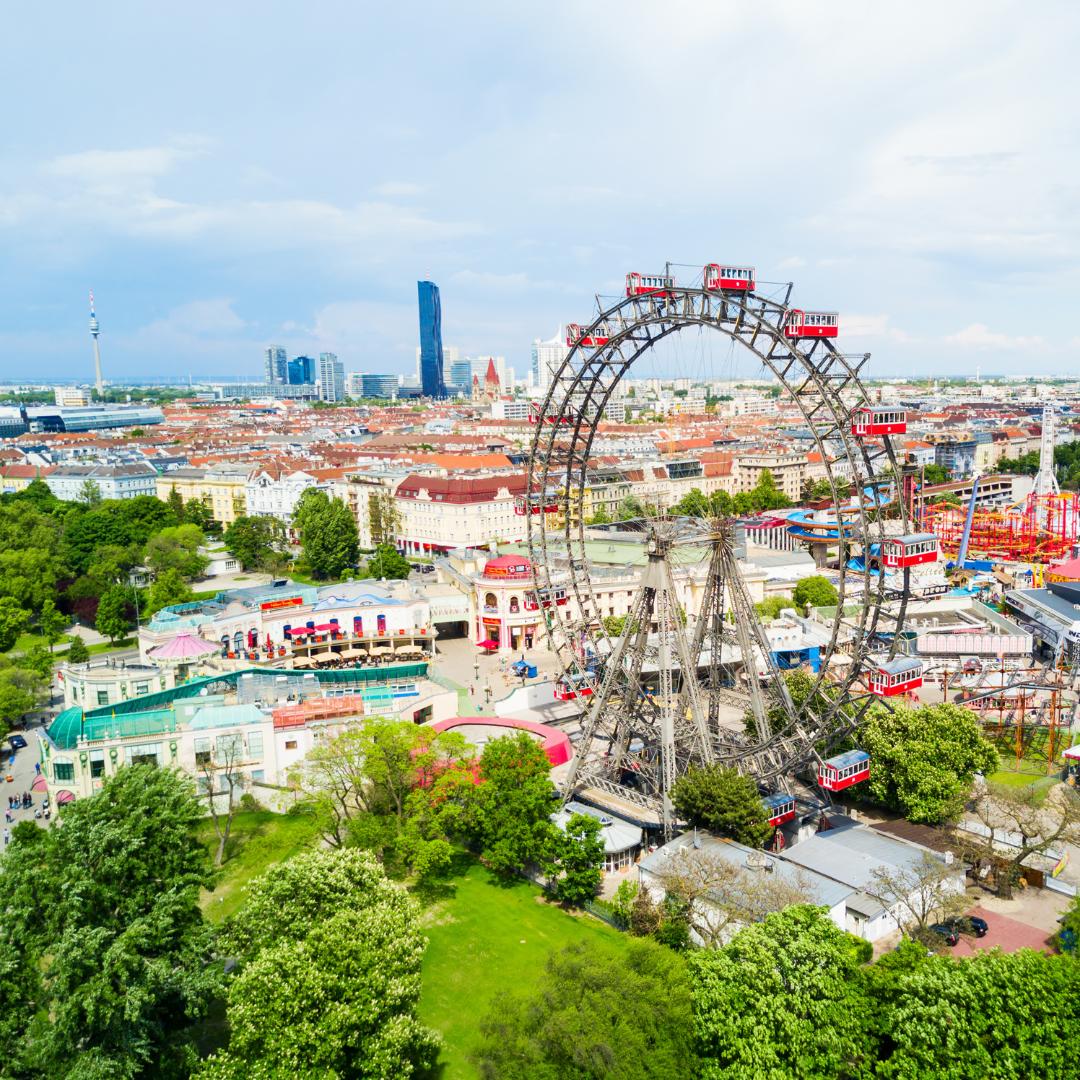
x,y
669,692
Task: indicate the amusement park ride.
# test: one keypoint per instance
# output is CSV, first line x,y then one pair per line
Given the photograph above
x,y
664,696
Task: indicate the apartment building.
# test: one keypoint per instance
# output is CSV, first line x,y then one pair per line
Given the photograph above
x,y
221,489
441,513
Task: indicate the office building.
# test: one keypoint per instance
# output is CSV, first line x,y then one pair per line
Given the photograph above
x,y
379,386
301,371
547,357
331,378
461,377
432,382
354,384
277,365
71,397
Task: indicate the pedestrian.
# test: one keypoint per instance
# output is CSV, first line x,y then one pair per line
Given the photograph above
x,y
7,836
37,767
7,817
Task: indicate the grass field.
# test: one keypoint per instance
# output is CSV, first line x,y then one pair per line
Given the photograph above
x,y
258,839
488,940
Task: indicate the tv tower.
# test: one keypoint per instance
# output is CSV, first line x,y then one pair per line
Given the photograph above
x,y
99,381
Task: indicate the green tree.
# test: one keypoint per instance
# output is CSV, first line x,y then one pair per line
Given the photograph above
x,y
815,591
107,908
780,1000
692,504
925,759
328,534
13,621
721,504
383,518
771,606
765,495
176,503
991,1015
361,780
596,1014
601,517
21,690
196,512
113,620
724,801
90,493
935,474
387,563
339,1002
169,588
577,860
513,803
258,542
177,548
631,507
77,652
51,623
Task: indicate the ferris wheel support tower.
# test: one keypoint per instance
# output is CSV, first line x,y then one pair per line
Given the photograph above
x,y
1045,479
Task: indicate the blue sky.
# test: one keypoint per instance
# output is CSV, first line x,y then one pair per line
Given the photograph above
x,y
225,176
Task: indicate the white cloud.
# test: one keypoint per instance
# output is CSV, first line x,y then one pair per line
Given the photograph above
x,y
980,336
792,262
870,326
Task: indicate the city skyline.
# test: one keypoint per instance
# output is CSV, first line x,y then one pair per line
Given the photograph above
x,y
916,187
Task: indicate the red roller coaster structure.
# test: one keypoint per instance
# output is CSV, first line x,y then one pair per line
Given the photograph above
x,y
1040,530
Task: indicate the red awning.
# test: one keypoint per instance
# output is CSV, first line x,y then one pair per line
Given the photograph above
x,y
65,796
489,645
39,784
327,627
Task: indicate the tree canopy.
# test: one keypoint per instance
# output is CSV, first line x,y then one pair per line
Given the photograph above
x,y
925,759
106,910
815,591
724,801
596,1014
778,1001
258,542
329,980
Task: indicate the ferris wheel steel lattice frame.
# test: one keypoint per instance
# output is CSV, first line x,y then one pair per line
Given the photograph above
x,y
820,379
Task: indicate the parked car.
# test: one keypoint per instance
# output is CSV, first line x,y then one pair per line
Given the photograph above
x,y
969,924
427,568
17,742
949,934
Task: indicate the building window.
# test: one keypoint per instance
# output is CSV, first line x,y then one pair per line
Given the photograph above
x,y
63,770
143,754
255,744
142,688
290,744
258,775
202,752
97,764
229,748
103,697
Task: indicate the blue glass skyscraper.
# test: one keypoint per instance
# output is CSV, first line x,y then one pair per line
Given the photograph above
x,y
432,383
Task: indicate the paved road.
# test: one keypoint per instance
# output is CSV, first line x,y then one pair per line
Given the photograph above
x,y
22,773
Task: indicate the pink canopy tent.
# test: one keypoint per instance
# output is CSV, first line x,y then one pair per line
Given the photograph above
x,y
184,648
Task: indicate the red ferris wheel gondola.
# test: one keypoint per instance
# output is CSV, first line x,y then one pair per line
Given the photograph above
x,y
649,284
589,339
812,324
717,278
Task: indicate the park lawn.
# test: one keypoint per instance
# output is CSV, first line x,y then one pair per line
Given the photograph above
x,y
258,839
26,641
486,941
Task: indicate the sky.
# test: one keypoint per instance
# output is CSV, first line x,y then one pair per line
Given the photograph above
x,y
229,176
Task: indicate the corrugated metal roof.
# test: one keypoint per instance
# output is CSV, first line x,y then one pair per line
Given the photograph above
x,y
851,854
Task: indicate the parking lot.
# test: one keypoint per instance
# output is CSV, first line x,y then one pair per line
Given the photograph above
x,y
1005,933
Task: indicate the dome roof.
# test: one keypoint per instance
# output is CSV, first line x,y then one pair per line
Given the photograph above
x,y
508,566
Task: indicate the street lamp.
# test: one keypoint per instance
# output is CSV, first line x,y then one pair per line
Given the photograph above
x,y
476,669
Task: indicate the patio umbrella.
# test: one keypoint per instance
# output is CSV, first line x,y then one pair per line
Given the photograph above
x,y
303,661
489,645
